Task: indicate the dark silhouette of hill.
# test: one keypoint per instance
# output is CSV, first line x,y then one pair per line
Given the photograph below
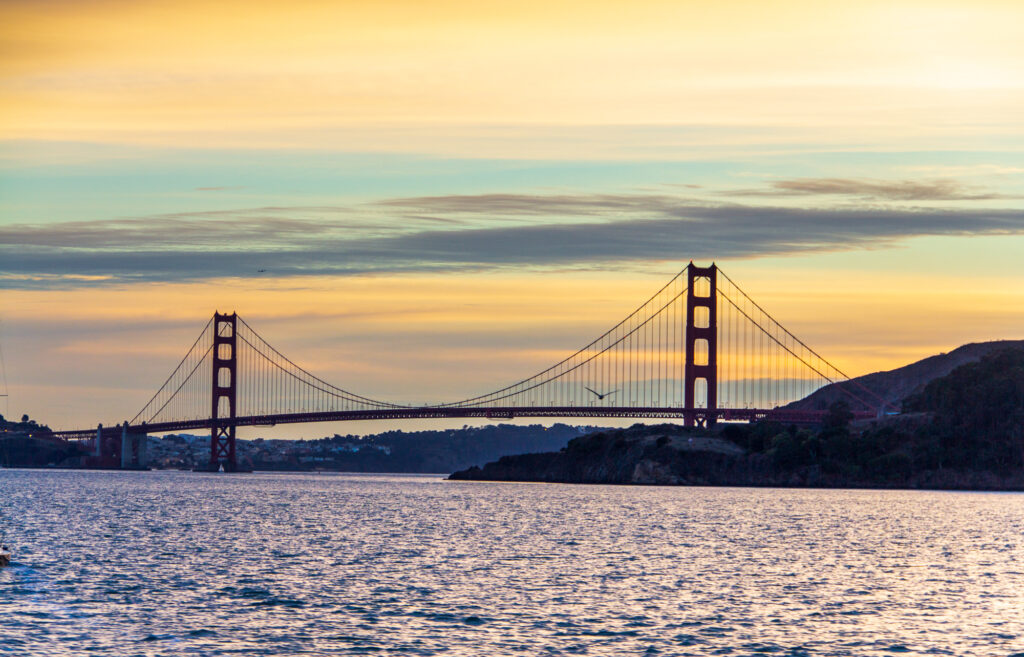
x,y
896,385
28,444
964,430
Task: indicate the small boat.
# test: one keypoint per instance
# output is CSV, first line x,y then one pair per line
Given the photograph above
x,y
5,556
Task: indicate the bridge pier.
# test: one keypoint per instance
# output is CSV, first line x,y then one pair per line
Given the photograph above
x,y
133,449
106,451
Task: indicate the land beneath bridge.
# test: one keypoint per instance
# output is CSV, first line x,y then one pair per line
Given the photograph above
x,y
964,430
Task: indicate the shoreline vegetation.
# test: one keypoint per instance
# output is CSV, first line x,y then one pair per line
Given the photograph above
x,y
962,431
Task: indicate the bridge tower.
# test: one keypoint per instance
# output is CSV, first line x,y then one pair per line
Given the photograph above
x,y
701,327
224,388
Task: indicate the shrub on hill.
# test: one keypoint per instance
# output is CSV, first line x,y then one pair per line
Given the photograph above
x,y
977,415
971,420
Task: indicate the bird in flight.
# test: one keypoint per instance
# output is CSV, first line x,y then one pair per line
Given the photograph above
x,y
599,395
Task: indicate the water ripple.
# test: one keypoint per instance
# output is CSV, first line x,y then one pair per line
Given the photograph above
x,y
166,563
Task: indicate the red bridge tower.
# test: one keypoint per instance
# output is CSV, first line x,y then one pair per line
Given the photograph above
x,y
224,388
702,328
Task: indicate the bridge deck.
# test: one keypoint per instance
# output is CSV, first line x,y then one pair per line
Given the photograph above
x,y
492,413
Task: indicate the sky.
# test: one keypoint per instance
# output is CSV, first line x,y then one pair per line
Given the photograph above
x,y
426,201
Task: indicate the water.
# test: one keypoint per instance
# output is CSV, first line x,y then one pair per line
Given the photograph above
x,y
164,563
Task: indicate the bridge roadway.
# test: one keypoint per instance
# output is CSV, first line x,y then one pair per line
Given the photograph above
x,y
782,415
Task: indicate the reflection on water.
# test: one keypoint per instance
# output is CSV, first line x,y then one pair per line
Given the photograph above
x,y
179,563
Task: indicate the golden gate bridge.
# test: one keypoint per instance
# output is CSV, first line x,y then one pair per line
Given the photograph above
x,y
700,349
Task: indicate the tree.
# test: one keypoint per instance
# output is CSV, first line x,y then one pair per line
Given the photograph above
x,y
838,416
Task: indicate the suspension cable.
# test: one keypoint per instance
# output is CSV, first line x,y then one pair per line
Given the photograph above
x,y
175,371
578,352
352,395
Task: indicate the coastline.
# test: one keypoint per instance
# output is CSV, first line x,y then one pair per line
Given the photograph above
x,y
668,455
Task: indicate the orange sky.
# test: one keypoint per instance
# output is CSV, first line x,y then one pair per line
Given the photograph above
x,y
282,73
403,170
383,336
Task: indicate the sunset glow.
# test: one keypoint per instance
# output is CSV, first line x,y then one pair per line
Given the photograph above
x,y
463,193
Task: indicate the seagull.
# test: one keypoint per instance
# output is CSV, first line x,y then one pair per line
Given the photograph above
x,y
599,395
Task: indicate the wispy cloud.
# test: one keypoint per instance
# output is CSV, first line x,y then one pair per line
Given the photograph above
x,y
162,232
451,233
868,189
526,204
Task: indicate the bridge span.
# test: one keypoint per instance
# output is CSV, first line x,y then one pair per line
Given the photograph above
x,y
699,350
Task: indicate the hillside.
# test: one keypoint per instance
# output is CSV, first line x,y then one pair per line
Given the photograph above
x,y
660,454
896,385
26,444
965,430
416,451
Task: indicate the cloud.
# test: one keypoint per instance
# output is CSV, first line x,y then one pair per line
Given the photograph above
x,y
163,232
887,190
455,233
526,204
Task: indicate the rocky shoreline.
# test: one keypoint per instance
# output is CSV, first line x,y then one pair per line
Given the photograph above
x,y
670,455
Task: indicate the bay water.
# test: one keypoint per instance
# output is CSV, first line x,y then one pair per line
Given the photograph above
x,y
180,563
